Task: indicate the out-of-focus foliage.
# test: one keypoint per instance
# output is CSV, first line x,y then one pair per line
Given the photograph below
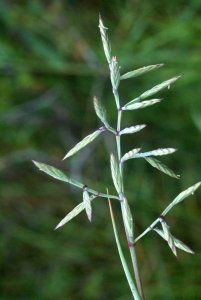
x,y
51,65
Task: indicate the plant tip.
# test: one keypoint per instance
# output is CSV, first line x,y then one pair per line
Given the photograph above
x,y
57,226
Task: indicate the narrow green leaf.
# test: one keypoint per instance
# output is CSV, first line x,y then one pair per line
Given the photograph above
x,y
140,71
182,196
87,203
114,73
56,173
168,236
123,261
130,154
161,167
158,152
142,104
105,40
132,129
179,244
88,139
116,176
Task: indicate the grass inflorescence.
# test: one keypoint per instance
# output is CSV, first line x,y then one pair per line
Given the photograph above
x,y
117,162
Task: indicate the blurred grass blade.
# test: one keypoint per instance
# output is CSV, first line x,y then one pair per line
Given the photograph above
x,y
88,139
123,261
116,176
158,152
142,104
87,203
114,73
154,90
168,236
132,129
140,71
182,196
130,154
56,173
179,244
161,167
105,40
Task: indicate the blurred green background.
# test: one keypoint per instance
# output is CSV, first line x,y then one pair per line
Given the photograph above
x,y
51,65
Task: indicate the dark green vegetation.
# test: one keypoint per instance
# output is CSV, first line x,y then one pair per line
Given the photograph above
x,y
52,63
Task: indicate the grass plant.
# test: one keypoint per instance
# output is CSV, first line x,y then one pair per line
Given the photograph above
x,y
117,163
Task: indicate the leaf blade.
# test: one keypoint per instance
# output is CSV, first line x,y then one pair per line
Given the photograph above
x,y
123,261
